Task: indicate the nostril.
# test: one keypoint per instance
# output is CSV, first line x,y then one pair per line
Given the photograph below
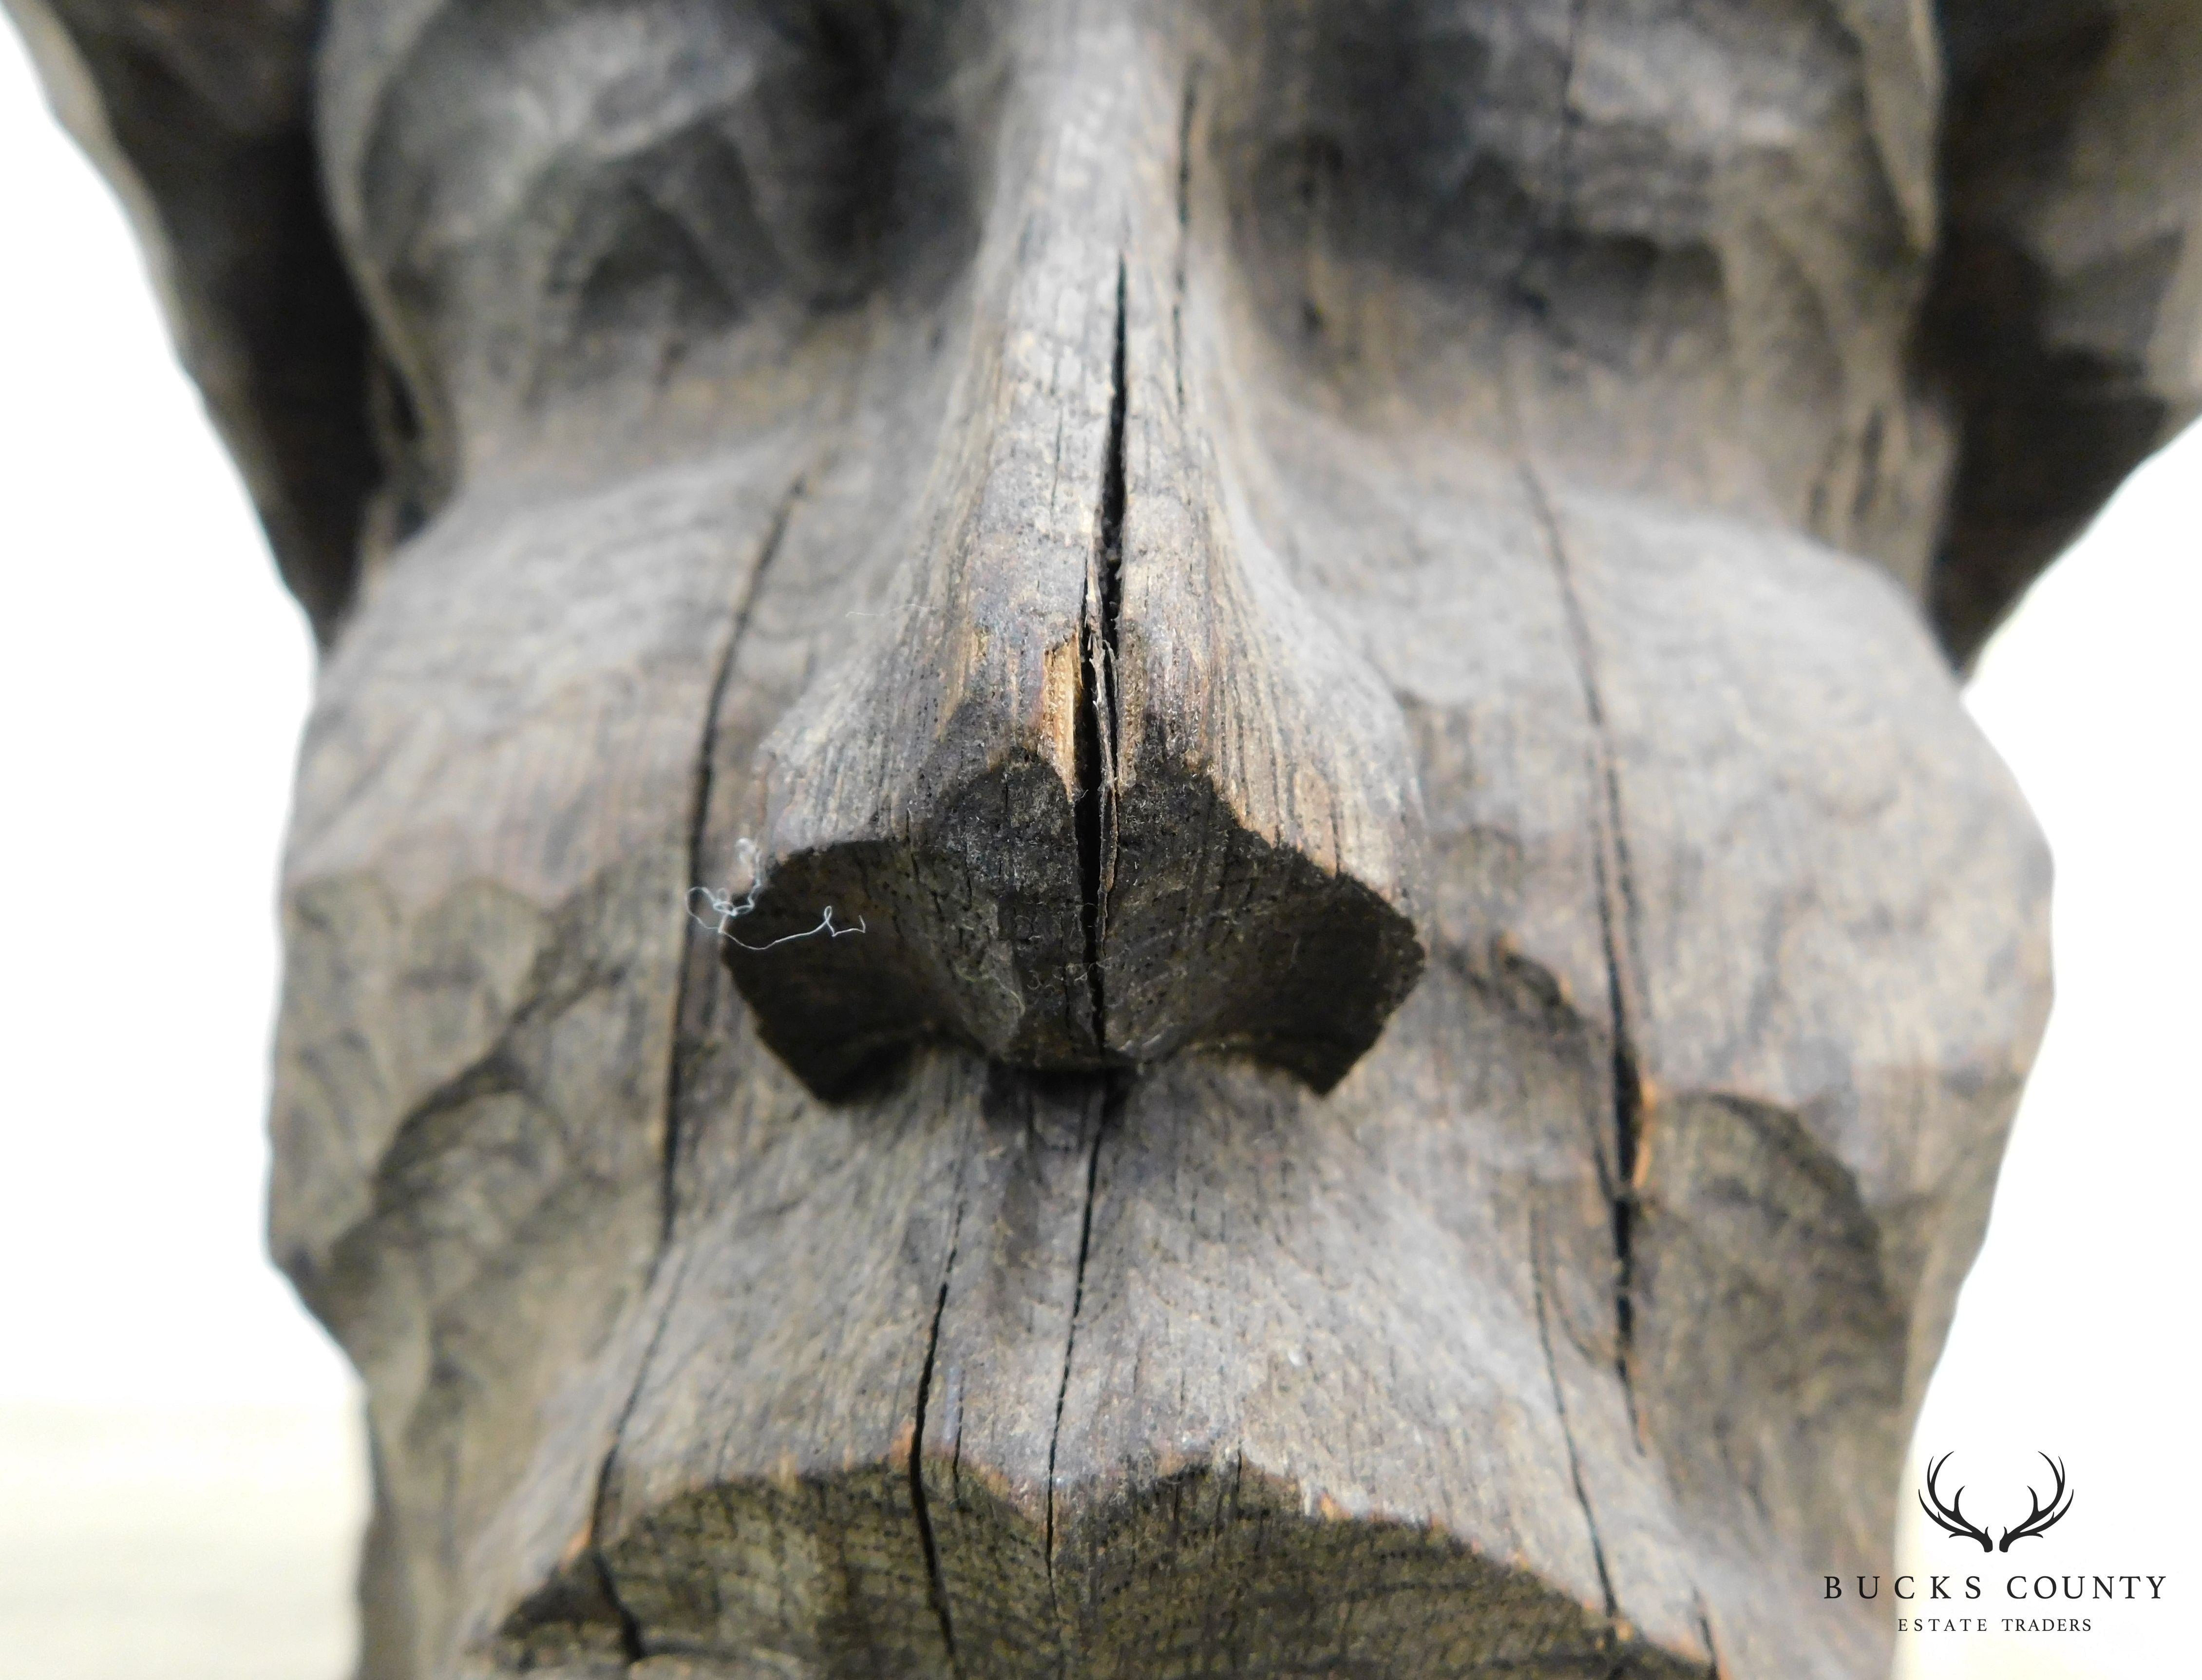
x,y
1107,790
1266,824
971,931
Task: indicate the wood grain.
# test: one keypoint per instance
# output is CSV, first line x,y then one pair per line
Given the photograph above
x,y
1351,608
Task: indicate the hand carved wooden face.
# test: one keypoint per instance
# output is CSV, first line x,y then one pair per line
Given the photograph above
x,y
1365,981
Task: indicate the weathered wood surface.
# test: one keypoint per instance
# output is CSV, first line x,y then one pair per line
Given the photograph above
x,y
1337,589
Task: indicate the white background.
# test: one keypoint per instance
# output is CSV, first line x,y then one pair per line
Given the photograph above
x,y
181,1475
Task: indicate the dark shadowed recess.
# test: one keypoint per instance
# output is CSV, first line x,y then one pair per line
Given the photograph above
x,y
2050,423
207,108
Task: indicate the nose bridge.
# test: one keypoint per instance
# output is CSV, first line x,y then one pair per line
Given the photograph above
x,y
1017,502
979,664
1088,790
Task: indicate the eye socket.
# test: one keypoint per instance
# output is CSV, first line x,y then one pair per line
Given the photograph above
x,y
557,195
665,245
1376,117
1367,140
1584,178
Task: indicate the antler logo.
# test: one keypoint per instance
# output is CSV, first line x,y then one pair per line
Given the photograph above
x,y
1950,1519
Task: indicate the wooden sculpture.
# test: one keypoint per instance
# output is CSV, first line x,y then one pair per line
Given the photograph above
x,y
1138,841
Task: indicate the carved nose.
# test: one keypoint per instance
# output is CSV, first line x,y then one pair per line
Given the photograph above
x,y
1101,784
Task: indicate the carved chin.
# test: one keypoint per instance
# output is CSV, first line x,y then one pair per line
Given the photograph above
x,y
1146,1376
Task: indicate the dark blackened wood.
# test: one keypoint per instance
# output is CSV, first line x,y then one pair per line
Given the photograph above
x,y
2067,334
2067,310
1174,523
200,119
1096,722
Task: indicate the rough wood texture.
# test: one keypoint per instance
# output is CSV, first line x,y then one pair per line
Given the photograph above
x,y
1340,599
1100,785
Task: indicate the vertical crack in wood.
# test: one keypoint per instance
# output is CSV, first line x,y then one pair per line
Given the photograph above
x,y
1616,920
936,1588
699,817
1089,816
603,1493
1563,152
1184,231
1110,1104
1568,1433
1705,1633
699,822
1094,804
630,1630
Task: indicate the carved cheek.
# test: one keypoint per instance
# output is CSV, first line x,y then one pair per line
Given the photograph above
x,y
560,217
